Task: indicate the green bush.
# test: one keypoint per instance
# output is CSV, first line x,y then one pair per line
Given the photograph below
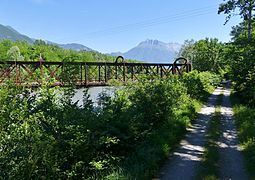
x,y
242,71
200,84
245,121
246,89
148,118
43,134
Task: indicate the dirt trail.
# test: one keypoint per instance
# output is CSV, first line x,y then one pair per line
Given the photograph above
x,y
231,159
184,162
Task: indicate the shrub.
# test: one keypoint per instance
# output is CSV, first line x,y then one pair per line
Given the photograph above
x,y
148,118
200,85
43,134
246,89
245,121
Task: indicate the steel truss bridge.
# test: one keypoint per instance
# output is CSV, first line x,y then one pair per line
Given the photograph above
x,y
84,74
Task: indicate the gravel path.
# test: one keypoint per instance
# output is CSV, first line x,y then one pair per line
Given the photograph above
x,y
231,159
184,162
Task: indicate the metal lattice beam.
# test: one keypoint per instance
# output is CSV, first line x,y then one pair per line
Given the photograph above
x,y
25,73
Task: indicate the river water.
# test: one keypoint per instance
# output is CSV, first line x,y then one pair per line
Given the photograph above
x,y
94,93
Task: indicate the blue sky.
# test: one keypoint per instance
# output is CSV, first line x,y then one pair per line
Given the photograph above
x,y
116,25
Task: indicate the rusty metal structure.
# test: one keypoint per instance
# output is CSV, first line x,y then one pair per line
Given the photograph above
x,y
85,74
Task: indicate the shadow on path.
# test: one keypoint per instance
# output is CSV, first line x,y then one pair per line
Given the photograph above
x,y
185,161
231,159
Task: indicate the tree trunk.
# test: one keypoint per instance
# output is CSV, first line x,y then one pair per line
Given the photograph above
x,y
250,22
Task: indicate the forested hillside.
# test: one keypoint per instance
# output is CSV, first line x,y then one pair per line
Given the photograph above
x,y
49,52
7,32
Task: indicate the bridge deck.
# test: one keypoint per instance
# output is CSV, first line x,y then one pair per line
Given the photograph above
x,y
32,73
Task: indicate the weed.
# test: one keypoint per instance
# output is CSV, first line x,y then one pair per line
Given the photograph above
x,y
245,122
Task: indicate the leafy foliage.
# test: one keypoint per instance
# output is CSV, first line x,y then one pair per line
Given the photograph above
x,y
43,134
240,52
245,121
242,70
200,85
205,55
245,7
14,53
49,52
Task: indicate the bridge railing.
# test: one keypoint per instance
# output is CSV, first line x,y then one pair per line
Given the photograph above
x,y
82,73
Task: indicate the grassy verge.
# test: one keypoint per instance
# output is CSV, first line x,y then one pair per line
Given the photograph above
x,y
209,167
245,122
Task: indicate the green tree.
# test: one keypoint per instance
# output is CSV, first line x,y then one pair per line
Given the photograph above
x,y
40,42
245,7
14,53
5,45
187,49
205,54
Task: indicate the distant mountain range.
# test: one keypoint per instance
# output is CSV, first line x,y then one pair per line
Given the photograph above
x,y
147,51
7,32
75,46
152,51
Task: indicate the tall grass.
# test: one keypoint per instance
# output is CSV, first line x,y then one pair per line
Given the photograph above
x,y
245,122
